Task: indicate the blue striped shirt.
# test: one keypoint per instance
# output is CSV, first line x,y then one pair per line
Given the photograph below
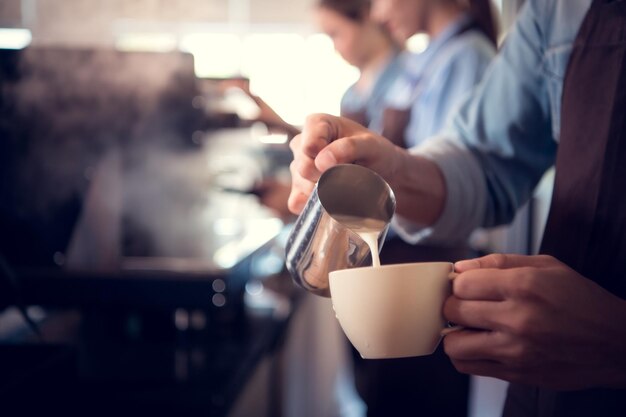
x,y
504,136
434,81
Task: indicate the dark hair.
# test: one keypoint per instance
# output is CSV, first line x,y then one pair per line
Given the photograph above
x,y
482,12
356,10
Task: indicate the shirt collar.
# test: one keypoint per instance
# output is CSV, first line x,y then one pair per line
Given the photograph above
x,y
416,63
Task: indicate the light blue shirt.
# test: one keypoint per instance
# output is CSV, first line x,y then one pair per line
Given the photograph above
x,y
435,81
504,136
372,102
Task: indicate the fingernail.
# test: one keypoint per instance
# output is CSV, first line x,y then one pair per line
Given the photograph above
x,y
325,160
461,266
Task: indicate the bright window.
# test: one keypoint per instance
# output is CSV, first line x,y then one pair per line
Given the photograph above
x,y
295,74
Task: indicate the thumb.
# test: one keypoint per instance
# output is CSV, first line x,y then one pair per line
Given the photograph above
x,y
501,261
325,159
360,148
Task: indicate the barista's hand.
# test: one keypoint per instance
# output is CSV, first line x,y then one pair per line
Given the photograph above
x,y
328,140
536,321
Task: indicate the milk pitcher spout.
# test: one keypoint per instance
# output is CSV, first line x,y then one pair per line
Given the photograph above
x,y
321,241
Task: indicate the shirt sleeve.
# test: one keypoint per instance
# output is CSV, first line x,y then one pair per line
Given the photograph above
x,y
499,143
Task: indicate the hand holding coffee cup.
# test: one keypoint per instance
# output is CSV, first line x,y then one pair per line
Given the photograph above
x,y
393,311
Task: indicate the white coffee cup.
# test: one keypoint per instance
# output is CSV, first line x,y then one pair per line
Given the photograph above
x,y
393,311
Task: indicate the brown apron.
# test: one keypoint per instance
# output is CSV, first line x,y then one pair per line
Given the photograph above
x,y
395,122
427,385
359,116
586,227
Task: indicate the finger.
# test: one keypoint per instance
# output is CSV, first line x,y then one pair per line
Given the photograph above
x,y
301,183
302,146
499,284
473,345
301,189
473,314
347,150
299,194
304,167
327,159
480,284
318,131
503,261
296,202
295,143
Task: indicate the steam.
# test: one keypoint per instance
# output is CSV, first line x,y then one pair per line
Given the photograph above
x,y
66,108
64,111
118,134
167,204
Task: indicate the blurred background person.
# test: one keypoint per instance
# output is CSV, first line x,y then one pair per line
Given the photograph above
x,y
362,43
369,47
462,42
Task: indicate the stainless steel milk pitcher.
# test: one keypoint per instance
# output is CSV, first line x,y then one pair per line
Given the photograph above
x,y
319,243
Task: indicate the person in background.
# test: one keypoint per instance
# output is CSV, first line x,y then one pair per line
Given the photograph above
x,y
362,43
462,42
366,45
551,324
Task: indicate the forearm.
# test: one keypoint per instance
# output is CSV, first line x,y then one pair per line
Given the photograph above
x,y
450,194
419,187
290,129
273,119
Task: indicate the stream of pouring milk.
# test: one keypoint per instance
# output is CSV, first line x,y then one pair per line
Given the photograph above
x,y
368,229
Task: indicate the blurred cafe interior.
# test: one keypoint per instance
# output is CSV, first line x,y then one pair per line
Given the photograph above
x,y
140,269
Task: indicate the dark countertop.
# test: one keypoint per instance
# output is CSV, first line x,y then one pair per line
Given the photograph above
x,y
146,340
145,307
104,361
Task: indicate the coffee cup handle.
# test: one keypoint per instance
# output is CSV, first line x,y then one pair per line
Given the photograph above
x,y
452,327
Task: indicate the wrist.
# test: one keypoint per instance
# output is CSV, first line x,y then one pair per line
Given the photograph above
x,y
399,166
420,188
